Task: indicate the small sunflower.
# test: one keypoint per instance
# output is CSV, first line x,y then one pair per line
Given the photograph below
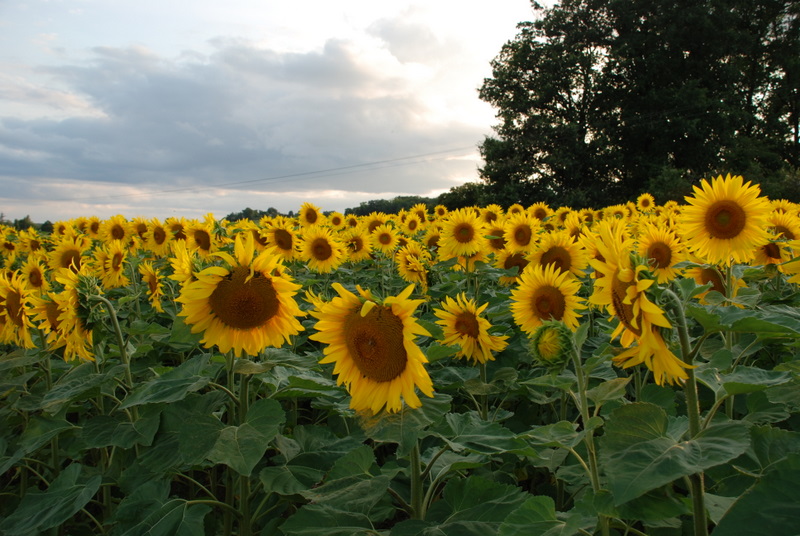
x,y
372,347
69,254
545,293
358,244
661,250
200,237
645,202
541,211
110,265
322,251
34,274
462,234
15,312
72,321
725,220
413,224
45,312
520,232
152,279
385,239
491,213
247,305
560,249
115,228
176,227
780,224
551,344
412,261
506,260
463,326
280,235
310,214
156,238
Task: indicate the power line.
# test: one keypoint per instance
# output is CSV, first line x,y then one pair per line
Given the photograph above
x,y
366,166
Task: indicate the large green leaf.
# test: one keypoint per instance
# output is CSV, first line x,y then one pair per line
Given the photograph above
x,y
467,431
537,517
39,431
171,386
41,510
638,453
174,518
242,447
472,506
118,431
81,383
766,321
407,425
324,520
771,506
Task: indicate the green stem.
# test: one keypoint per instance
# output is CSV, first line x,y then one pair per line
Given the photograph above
x,y
228,508
416,482
693,411
484,398
123,354
245,528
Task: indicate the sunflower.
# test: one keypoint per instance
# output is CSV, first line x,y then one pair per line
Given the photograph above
x,y
412,261
645,203
31,242
420,210
384,238
310,214
200,237
152,279
561,250
280,236
93,224
139,227
156,238
176,227
661,250
432,237
68,254
183,263
520,232
72,321
781,224
725,220
357,243
413,224
45,312
15,316
245,306
551,344
34,274
322,251
375,220
491,213
462,234
541,211
545,293
463,326
109,265
372,347
494,234
620,289
505,260
705,275
8,247
115,228
351,221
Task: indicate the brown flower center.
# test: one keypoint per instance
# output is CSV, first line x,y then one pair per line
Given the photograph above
x,y
117,232
559,256
518,260
71,259
14,307
725,219
321,250
523,235
355,244
710,275
659,254
159,235
375,343
464,233
782,230
772,251
311,216
35,277
242,304
52,311
283,239
548,302
467,324
116,262
177,232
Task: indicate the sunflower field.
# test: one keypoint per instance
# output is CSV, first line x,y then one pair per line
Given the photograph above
x,y
507,371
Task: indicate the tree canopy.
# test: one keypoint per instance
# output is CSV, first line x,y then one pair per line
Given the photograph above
x,y
600,100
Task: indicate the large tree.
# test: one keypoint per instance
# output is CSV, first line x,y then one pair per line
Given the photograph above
x,y
599,100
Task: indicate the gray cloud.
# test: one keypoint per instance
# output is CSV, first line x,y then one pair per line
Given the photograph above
x,y
242,113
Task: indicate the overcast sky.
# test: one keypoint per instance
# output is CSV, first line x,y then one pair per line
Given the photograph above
x,y
165,108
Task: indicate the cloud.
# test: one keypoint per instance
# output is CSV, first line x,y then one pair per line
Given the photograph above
x,y
244,113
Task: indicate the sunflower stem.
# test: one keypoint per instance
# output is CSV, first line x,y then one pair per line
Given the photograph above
x,y
245,528
416,482
696,484
484,398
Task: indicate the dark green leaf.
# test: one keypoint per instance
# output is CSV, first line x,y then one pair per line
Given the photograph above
x,y
467,431
174,518
41,510
324,520
537,516
117,430
172,386
407,425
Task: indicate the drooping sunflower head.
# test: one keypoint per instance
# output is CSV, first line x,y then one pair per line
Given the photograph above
x,y
725,220
463,326
15,314
245,305
412,262
372,347
152,279
109,264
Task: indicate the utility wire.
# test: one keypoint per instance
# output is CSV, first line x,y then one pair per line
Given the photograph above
x,y
367,166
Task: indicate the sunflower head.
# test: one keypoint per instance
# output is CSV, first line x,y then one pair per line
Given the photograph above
x,y
551,344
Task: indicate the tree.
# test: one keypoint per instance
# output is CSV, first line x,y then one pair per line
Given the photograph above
x,y
600,100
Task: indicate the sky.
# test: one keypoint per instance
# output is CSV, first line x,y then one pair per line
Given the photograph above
x,y
170,108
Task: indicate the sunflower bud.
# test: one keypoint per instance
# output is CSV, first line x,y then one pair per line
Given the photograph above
x,y
550,345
